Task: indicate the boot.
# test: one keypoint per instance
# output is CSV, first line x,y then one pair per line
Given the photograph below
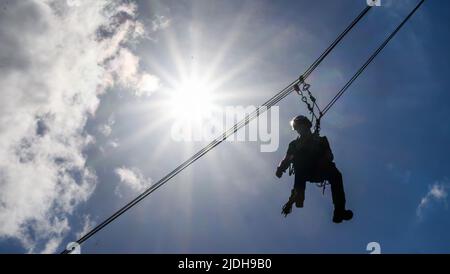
x,y
299,204
341,214
299,199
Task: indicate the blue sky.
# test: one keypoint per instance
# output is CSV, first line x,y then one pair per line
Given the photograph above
x,y
389,134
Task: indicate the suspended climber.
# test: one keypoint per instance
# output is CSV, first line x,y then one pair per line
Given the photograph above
x,y
312,159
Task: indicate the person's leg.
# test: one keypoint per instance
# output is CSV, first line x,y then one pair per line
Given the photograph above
x,y
299,191
334,177
337,187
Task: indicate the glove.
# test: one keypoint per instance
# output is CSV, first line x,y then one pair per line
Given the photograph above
x,y
287,209
279,172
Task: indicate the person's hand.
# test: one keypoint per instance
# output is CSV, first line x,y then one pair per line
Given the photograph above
x,y
279,173
287,209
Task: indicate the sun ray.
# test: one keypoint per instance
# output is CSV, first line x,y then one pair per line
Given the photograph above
x,y
233,35
174,48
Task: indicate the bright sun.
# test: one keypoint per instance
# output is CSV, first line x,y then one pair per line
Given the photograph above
x,y
191,100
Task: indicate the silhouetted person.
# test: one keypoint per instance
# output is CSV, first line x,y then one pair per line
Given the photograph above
x,y
313,161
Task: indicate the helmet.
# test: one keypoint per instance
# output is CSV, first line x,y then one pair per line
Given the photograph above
x,y
300,120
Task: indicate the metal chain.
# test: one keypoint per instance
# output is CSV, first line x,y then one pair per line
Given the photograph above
x,y
309,102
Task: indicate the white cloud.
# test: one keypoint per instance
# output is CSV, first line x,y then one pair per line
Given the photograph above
x,y
125,71
73,3
438,193
110,145
147,84
160,22
52,246
106,128
113,144
56,58
88,224
131,179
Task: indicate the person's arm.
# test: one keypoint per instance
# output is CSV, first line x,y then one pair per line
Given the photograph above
x,y
284,164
